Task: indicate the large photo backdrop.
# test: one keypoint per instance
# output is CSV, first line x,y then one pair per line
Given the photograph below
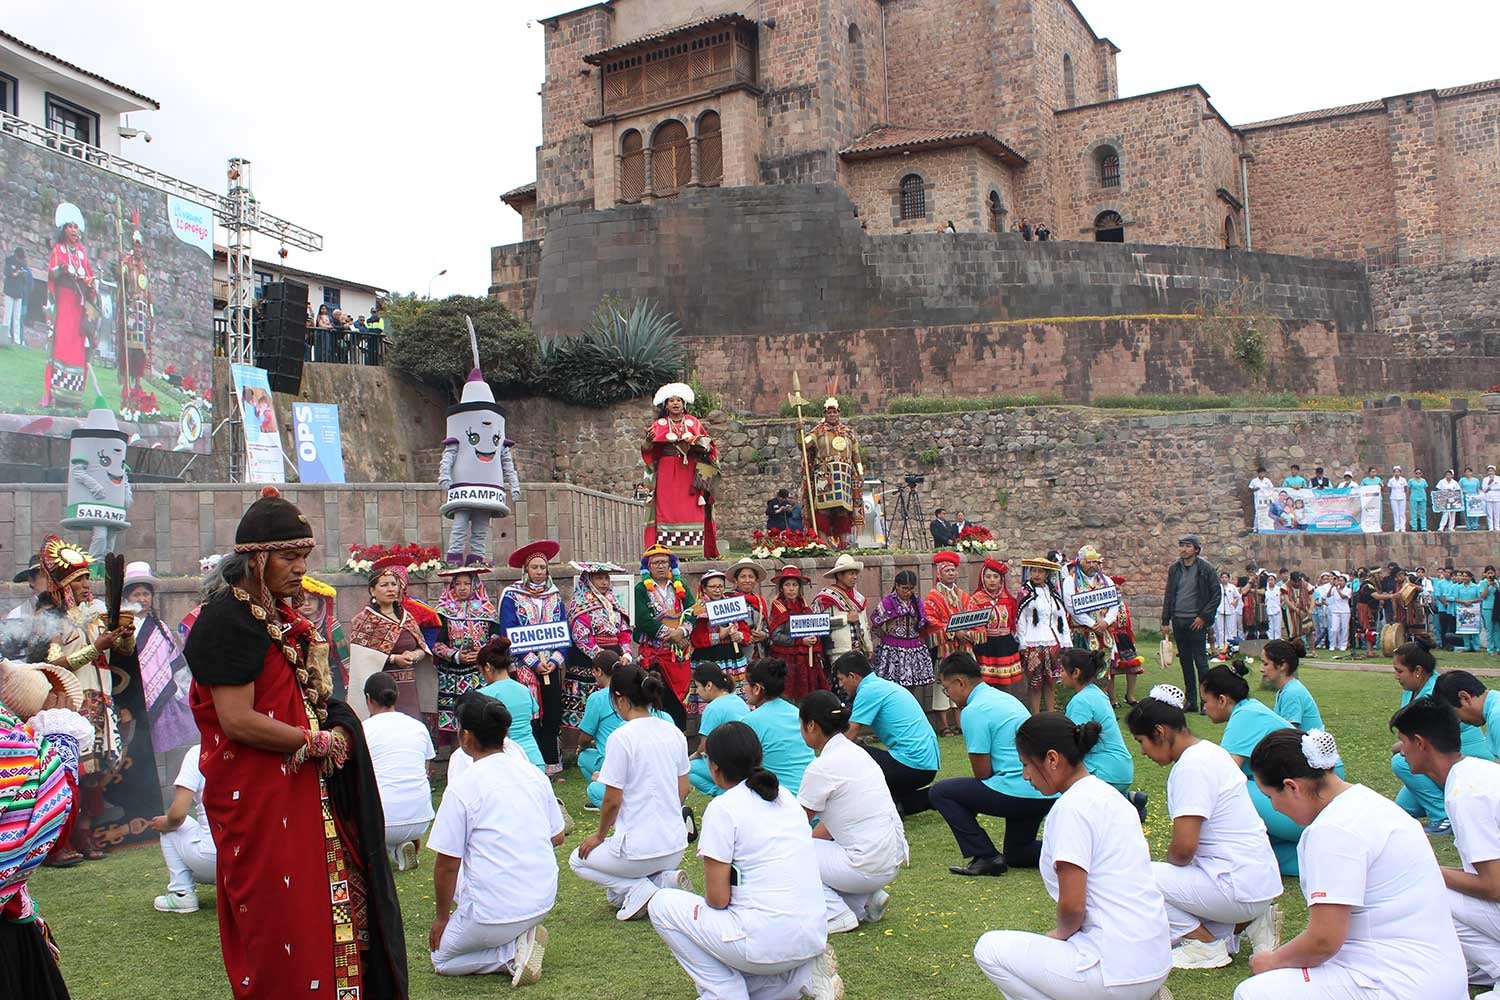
x,y
108,293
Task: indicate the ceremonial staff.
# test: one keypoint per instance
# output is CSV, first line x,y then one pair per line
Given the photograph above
x,y
796,399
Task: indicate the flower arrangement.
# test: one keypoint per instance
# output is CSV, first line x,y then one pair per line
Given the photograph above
x,y
424,559
786,544
977,538
139,405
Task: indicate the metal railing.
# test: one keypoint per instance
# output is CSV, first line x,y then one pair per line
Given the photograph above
x,y
323,345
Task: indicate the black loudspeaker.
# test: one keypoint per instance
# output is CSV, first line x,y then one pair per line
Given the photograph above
x,y
285,290
281,335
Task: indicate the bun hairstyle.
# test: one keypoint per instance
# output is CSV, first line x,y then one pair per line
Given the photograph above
x,y
735,750
381,689
484,718
1416,656
708,673
960,665
1451,683
824,710
639,687
495,653
1228,681
1286,653
1280,755
770,673
1162,707
605,661
1055,731
1085,664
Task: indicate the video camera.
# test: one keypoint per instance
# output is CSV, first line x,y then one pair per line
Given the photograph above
x,y
912,480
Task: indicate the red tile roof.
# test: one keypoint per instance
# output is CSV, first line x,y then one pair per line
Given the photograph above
x,y
726,20
78,69
521,193
888,140
1365,106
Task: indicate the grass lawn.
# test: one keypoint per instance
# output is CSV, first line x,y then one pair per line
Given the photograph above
x,y
21,372
115,945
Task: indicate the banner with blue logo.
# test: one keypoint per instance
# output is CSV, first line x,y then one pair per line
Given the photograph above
x,y
320,452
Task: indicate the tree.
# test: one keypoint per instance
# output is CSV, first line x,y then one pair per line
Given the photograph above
x,y
430,342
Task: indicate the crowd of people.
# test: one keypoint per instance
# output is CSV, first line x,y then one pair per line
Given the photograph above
x,y
1469,500
815,739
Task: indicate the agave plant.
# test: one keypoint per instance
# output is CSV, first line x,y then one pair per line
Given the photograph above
x,y
620,355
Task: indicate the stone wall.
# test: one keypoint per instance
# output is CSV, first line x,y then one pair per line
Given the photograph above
x,y
1443,308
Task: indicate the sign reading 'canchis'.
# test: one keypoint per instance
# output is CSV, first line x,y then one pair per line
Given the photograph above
x,y
529,638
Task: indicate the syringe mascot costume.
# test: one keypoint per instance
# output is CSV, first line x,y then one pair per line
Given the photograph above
x,y
99,491
476,469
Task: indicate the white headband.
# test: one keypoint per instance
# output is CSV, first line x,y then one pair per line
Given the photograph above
x,y
1319,749
1169,695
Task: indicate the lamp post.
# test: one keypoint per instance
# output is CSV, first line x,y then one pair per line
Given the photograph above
x,y
434,278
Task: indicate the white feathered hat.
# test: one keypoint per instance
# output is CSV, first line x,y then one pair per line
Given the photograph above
x,y
679,390
68,212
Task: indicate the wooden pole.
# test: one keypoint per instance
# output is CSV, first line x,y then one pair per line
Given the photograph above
x,y
796,399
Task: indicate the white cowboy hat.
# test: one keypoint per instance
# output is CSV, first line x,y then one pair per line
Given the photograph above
x,y
678,390
747,563
24,687
139,572
845,563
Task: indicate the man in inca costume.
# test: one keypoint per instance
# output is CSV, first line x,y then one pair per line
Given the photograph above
x,y
838,476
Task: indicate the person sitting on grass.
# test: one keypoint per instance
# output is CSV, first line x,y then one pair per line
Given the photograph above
x,y
1110,759
598,722
889,711
1112,938
186,843
1472,701
715,689
1428,728
859,839
1378,923
1279,660
990,718
1220,877
495,875
775,722
1416,673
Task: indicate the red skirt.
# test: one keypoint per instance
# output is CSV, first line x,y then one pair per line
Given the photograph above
x,y
804,674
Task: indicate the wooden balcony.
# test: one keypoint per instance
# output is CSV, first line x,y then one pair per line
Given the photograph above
x,y
679,69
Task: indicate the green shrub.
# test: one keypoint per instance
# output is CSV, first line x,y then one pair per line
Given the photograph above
x,y
1176,403
955,404
929,458
620,355
848,406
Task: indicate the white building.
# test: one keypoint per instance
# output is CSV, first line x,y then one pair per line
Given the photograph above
x,y
354,297
43,89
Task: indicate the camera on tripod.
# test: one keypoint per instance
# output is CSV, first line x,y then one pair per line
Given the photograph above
x,y
912,480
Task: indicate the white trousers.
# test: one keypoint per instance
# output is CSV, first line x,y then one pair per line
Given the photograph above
x,y
1478,925
606,866
1273,623
1446,524
1323,982
1029,966
1225,627
469,948
723,970
1492,513
190,855
1338,630
395,836
1195,897
1398,513
846,889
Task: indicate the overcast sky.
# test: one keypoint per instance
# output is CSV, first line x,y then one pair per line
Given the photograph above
x,y
392,130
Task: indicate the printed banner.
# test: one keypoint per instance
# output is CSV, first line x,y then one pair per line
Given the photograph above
x,y
1445,500
320,453
1340,509
252,389
730,609
1474,508
802,626
1470,621
965,620
1089,601
529,638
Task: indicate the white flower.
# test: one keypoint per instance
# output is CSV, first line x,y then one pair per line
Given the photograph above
x,y
776,552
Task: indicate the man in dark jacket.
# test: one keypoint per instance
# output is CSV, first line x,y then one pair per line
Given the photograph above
x,y
1189,605
944,533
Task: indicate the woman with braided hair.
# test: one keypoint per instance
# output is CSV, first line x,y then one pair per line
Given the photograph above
x,y
307,906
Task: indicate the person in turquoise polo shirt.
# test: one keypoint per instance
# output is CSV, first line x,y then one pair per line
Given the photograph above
x,y
1417,485
1489,589
1416,673
1473,702
1110,759
776,723
1469,483
494,665
1467,595
910,760
990,718
1295,481
720,705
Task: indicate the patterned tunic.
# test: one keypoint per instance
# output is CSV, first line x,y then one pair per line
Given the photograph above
x,y
902,656
526,604
467,625
596,623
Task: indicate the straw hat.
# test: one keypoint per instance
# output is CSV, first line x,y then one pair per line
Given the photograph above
x,y
747,563
24,687
844,563
1046,564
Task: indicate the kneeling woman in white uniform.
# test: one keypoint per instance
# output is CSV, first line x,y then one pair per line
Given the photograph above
x,y
645,778
1377,914
758,929
400,748
1220,875
859,840
495,877
1111,938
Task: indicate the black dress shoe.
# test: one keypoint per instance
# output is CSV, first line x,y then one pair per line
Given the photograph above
x,y
981,866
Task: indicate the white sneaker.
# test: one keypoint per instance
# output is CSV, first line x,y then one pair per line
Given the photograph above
x,y
1191,954
1264,932
636,899
567,819
845,921
407,857
528,960
875,908
826,983
175,902
675,879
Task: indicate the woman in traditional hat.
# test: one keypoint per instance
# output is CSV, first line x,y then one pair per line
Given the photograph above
x,y
385,635
162,665
597,623
942,602
1127,660
999,655
844,600
319,607
469,619
70,285
725,646
535,600
1042,628
661,636
281,755
746,576
803,657
682,465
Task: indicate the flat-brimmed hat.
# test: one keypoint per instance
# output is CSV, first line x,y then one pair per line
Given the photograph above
x,y
544,547
25,575
946,556
1046,564
313,585
473,569
24,687
843,564
709,575
139,572
747,563
792,573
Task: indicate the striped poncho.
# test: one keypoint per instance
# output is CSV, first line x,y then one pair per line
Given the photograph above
x,y
36,800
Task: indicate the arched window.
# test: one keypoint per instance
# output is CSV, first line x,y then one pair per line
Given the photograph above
x,y
1070,96
1109,166
996,213
857,68
913,197
1231,240
632,166
671,159
1109,228
710,149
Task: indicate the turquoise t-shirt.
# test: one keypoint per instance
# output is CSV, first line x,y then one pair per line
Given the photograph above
x,y
1294,483
600,719
898,721
725,708
1295,704
1110,760
1249,723
989,721
1472,740
1440,591
1468,484
517,697
1492,723
779,729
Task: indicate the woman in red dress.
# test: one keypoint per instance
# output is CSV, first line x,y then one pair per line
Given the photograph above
x,y
999,655
70,284
307,905
805,672
682,461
